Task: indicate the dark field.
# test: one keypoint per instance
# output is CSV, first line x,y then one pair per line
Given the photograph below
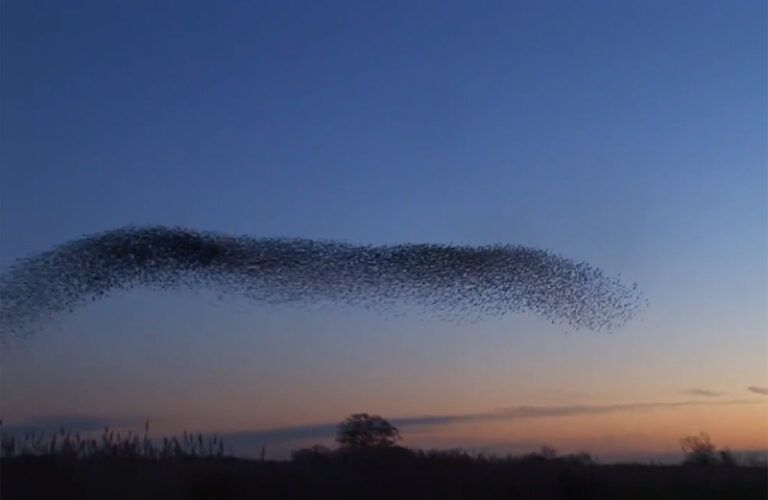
x,y
360,477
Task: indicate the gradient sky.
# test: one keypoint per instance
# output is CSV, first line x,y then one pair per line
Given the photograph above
x,y
631,135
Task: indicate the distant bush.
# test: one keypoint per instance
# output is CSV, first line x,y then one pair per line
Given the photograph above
x,y
579,458
398,454
547,454
383,455
312,454
452,455
699,450
727,458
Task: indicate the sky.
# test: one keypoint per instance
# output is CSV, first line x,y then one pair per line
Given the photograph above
x,y
630,135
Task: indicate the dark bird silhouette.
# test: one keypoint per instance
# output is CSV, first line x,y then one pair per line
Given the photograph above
x,y
450,282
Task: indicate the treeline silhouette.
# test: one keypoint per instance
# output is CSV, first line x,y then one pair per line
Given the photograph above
x,y
368,463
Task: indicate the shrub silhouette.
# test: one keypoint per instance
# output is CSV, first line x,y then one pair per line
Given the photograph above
x,y
364,431
312,454
699,450
727,458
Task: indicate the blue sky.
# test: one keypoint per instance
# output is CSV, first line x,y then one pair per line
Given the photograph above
x,y
628,134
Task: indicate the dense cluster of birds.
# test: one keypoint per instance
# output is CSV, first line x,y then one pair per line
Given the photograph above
x,y
457,282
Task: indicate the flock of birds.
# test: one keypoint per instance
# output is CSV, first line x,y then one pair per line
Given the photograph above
x,y
450,282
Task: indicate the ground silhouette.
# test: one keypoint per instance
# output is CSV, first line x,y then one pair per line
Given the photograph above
x,y
372,465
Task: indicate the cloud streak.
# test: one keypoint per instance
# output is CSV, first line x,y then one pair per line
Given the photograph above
x,y
703,392
448,281
758,390
67,422
252,439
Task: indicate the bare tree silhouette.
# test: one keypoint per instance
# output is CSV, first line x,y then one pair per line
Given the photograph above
x,y
699,450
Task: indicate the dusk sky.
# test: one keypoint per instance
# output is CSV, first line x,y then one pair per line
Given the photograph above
x,y
630,135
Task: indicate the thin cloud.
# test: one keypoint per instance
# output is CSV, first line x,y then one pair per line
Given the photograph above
x,y
554,411
67,422
252,439
703,392
758,390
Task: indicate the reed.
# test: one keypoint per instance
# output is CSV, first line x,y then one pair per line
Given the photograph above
x,y
111,444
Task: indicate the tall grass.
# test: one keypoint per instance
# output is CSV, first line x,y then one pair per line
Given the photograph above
x,y
111,444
